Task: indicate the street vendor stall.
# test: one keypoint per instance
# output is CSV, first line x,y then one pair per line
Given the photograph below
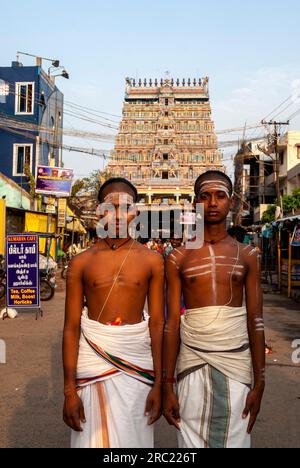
x,y
289,255
75,229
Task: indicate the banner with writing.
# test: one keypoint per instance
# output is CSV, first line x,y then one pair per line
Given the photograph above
x,y
22,271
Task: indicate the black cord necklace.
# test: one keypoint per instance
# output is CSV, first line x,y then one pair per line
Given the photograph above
x,y
116,246
213,242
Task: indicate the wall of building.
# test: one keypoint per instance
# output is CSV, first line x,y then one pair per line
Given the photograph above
x,y
290,150
15,197
47,112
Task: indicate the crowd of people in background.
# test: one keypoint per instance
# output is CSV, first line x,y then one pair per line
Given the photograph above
x,y
163,247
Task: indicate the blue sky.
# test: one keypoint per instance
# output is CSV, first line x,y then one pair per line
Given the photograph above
x,y
249,51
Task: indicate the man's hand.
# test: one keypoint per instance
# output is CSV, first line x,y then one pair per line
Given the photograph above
x,y
153,405
74,413
253,405
171,408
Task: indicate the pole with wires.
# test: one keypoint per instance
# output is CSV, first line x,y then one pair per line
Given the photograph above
x,y
275,140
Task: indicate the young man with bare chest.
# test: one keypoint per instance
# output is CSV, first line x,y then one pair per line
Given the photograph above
x,y
217,347
112,353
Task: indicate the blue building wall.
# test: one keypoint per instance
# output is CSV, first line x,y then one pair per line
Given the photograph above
x,y
47,112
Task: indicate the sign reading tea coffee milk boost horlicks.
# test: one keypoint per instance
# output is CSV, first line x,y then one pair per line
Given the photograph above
x,y
22,271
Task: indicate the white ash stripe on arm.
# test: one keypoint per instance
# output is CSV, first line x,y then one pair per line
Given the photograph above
x,y
174,263
259,324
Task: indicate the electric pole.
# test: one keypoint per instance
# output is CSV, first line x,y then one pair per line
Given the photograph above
x,y
275,137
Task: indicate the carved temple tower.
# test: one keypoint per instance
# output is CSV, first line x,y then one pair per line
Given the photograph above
x,y
166,138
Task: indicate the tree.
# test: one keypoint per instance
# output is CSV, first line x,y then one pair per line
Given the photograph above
x,y
269,215
291,202
31,182
90,184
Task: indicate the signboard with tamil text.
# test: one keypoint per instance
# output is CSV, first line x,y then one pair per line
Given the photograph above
x,y
22,271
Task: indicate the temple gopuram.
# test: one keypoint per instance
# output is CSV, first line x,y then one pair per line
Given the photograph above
x,y
166,139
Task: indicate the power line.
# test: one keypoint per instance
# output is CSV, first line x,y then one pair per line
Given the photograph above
x,y
88,111
70,112
94,110
20,123
105,154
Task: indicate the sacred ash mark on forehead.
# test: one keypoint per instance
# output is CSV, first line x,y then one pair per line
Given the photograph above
x,y
119,197
218,185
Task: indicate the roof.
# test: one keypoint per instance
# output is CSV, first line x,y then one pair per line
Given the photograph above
x,y
291,218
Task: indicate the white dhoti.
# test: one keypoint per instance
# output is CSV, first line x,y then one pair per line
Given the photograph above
x,y
214,372
115,374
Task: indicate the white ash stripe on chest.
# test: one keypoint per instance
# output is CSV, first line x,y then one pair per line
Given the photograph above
x,y
214,271
212,265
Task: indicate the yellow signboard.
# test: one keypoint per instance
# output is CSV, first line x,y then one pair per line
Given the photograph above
x,y
61,212
37,222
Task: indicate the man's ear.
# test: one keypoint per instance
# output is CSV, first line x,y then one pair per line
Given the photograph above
x,y
231,204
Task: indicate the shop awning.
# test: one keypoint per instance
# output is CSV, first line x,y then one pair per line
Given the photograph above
x,y
291,218
74,225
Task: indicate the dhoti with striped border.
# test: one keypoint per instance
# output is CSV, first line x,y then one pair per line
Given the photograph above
x,y
214,378
114,377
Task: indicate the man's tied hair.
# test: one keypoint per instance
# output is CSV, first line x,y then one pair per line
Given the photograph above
x,y
117,180
205,176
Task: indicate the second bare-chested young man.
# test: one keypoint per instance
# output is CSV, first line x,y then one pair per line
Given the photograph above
x,y
222,342
112,353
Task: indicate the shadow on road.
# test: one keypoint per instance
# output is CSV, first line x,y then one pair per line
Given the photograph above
x,y
37,422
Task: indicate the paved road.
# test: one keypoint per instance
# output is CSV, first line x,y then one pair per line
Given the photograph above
x,y
31,381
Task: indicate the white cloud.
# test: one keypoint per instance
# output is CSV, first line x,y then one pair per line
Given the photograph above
x,y
242,91
258,95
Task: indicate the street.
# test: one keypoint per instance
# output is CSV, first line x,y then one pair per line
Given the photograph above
x,y
32,390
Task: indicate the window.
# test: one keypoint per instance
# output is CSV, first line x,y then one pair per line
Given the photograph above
x,y
281,158
165,175
22,158
166,142
24,98
166,157
4,91
166,102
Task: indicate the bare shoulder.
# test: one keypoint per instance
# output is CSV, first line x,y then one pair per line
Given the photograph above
x,y
151,261
79,261
250,255
149,256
